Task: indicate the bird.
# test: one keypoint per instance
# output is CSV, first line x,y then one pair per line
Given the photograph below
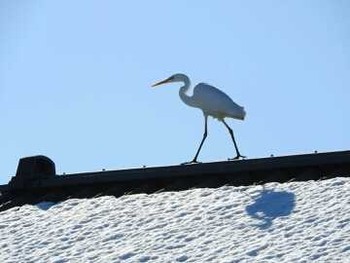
x,y
213,102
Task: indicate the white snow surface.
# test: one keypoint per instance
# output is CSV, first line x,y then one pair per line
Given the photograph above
x,y
290,222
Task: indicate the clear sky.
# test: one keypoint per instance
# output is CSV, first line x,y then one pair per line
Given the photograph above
x,y
75,80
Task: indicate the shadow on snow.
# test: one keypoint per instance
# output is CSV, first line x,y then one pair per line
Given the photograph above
x,y
45,205
269,205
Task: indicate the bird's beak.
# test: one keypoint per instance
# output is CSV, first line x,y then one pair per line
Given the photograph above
x,y
161,82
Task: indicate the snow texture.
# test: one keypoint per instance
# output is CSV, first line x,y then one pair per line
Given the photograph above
x,y
290,222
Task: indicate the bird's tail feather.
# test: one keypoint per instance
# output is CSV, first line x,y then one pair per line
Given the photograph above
x,y
239,115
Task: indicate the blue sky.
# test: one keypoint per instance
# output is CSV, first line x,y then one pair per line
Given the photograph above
x,y
75,80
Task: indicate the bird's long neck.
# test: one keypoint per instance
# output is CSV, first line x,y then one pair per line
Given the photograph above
x,y
183,92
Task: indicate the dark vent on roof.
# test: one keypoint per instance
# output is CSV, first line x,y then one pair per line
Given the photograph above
x,y
32,169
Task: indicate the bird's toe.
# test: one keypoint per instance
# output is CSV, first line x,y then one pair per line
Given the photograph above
x,y
191,162
238,157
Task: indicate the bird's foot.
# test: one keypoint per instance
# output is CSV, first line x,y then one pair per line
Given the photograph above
x,y
191,162
237,157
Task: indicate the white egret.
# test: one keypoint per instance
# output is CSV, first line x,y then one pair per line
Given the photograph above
x,y
212,101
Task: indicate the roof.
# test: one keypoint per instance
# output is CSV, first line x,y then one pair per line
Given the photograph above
x,y
36,179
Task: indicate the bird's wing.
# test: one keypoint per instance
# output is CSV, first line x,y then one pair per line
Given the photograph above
x,y
213,101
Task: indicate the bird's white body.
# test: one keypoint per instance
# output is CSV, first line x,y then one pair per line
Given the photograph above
x,y
215,103
212,101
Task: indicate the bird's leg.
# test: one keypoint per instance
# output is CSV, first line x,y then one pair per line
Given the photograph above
x,y
201,144
204,137
234,142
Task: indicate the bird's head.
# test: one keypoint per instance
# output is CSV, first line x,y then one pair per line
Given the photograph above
x,y
174,78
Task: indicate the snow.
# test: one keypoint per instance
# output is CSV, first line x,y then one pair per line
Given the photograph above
x,y
290,222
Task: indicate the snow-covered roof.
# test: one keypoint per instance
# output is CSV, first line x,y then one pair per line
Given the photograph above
x,y
290,222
